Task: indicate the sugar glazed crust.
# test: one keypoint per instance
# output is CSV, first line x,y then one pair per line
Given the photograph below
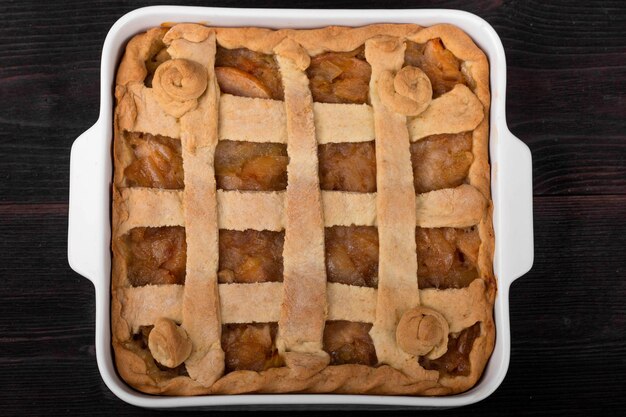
x,y
407,322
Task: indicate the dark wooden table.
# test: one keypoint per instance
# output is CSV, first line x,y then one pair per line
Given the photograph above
x,y
566,99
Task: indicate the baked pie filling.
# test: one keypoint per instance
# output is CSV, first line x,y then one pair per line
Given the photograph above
x,y
156,255
347,167
251,166
250,347
340,77
349,342
302,211
250,256
352,255
156,162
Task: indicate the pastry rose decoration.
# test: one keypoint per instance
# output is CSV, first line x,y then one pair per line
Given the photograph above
x,y
423,332
409,92
169,343
177,84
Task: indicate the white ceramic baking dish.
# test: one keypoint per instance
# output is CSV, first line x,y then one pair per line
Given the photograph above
x,y
91,175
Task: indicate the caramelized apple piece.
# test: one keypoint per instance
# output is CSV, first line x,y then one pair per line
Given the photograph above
x,y
251,166
156,255
347,167
455,362
157,162
261,68
250,256
352,255
440,65
446,257
239,83
250,347
441,161
337,77
349,342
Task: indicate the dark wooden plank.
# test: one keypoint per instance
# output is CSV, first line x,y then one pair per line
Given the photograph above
x,y
568,314
577,165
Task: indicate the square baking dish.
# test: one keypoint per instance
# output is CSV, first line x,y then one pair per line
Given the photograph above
x,y
91,176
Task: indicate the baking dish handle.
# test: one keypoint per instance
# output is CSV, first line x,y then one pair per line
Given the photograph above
x,y
88,227
516,216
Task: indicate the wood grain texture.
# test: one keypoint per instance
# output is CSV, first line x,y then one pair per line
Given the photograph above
x,y
565,99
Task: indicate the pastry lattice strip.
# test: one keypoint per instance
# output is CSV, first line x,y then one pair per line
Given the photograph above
x,y
262,120
463,206
302,318
144,305
198,128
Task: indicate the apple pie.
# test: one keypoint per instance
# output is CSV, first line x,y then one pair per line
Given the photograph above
x,y
302,211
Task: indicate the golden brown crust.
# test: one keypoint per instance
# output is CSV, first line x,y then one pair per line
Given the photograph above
x,y
423,332
454,112
177,84
144,305
138,51
201,305
301,324
252,119
395,205
169,343
407,92
314,41
463,206
201,317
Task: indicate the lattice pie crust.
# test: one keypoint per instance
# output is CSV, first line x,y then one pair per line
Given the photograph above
x,y
409,325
